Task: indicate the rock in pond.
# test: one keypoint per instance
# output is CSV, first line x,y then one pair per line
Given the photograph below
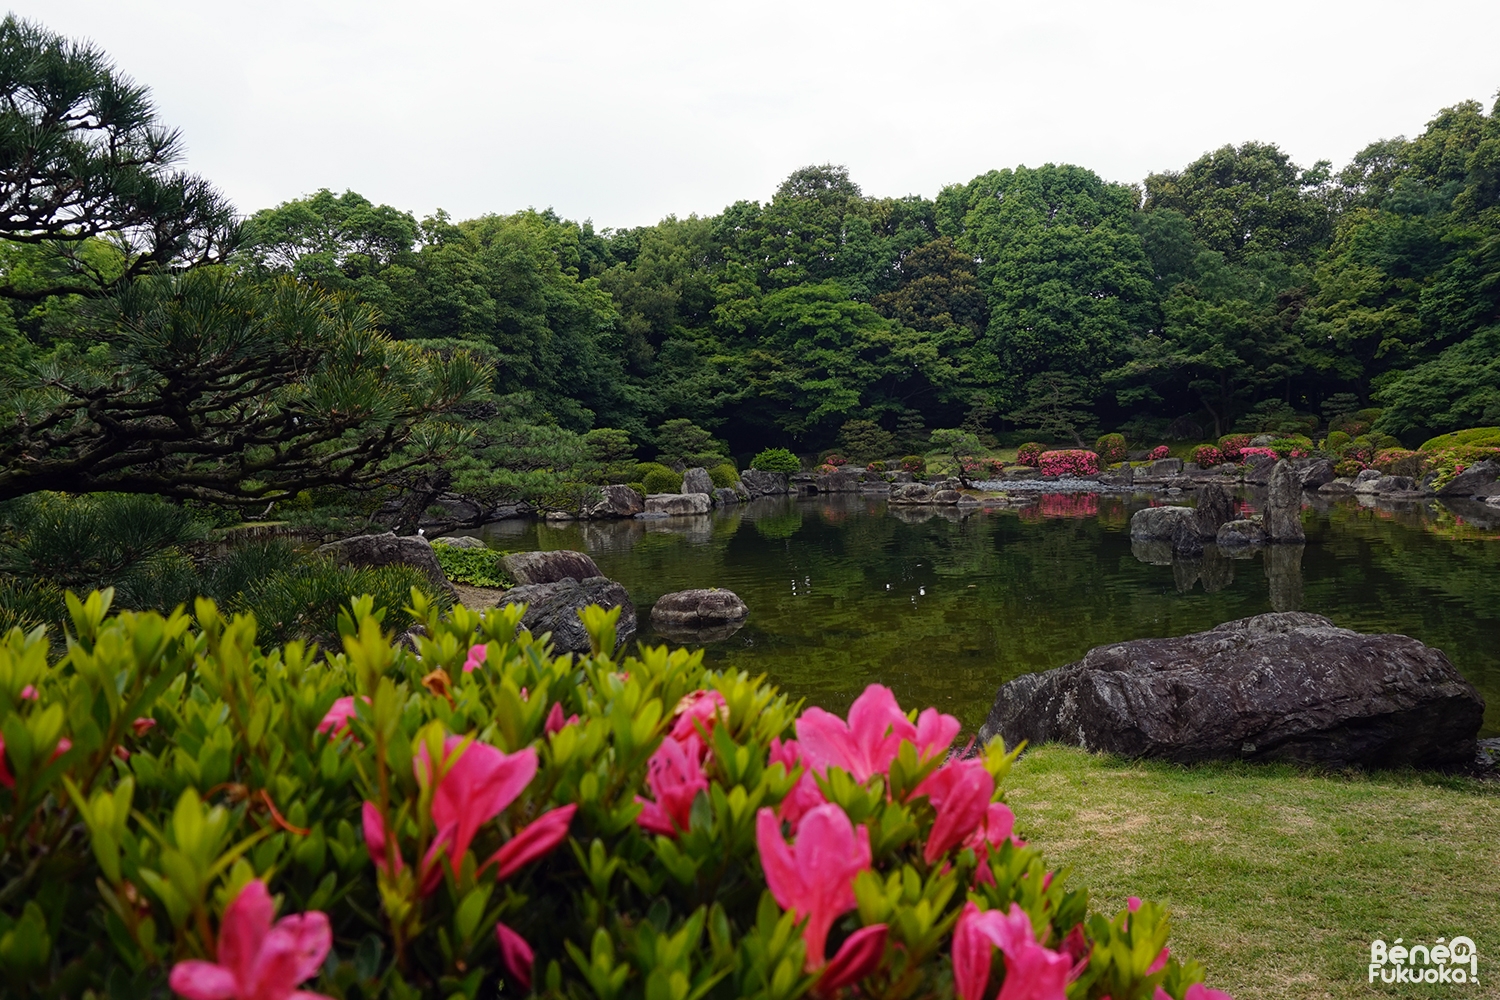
x,y
1281,686
1482,479
549,567
1215,509
554,607
387,549
763,484
678,503
838,482
724,496
697,480
1177,526
697,609
1284,506
616,501
1239,534
1316,474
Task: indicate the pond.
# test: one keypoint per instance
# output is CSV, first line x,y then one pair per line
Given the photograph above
x,y
944,606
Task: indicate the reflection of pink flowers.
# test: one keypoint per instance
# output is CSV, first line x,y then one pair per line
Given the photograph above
x,y
815,876
675,776
1032,972
1062,505
258,960
870,740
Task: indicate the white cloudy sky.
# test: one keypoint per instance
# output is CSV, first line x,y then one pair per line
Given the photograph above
x,y
626,112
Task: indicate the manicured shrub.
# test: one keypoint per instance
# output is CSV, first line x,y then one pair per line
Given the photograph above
x,y
1399,462
660,479
776,460
827,469
1110,448
1030,454
1336,442
476,567
469,815
836,460
1250,452
1348,468
1160,452
1207,456
982,468
1292,447
875,467
915,464
638,487
1069,462
724,476
1230,446
1476,437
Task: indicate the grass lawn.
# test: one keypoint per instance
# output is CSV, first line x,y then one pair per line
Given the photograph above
x,y
1277,879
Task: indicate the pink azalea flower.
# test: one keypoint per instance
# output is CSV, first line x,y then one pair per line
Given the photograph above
x,y
1198,991
675,776
479,781
28,693
814,877
336,719
555,721
6,778
863,746
536,839
1032,972
256,959
516,954
142,726
805,794
859,956
476,658
960,792
698,710
430,875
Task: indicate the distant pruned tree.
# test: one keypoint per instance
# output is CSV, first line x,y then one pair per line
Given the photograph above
x,y
83,158
1056,408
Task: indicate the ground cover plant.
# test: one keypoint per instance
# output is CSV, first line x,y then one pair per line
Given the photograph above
x,y
1278,879
475,813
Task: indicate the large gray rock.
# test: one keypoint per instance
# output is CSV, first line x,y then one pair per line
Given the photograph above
x,y
911,493
461,542
1284,506
1284,686
1177,526
697,480
554,607
1338,486
724,496
1162,468
1317,473
947,496
763,484
678,503
1215,509
1478,480
616,501
1123,475
388,549
838,482
1240,534
696,609
549,567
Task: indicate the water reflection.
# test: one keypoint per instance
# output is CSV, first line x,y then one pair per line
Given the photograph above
x,y
944,604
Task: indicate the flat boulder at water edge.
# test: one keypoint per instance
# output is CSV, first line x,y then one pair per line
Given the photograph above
x,y
1285,686
549,567
554,607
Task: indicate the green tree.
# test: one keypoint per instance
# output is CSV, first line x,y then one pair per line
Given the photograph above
x,y
86,159
1056,407
682,442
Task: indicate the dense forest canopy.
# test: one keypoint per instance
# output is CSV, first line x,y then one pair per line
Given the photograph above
x,y
1242,292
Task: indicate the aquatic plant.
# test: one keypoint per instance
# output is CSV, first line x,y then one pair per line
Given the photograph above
x,y
464,814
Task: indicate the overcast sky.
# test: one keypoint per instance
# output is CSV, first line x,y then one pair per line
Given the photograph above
x,y
627,112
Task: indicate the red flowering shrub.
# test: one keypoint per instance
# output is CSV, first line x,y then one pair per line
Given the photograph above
x,y
1399,462
1069,462
982,468
835,460
467,814
1207,456
1250,451
1110,448
875,467
1160,452
827,468
915,464
1348,468
1030,454
1230,446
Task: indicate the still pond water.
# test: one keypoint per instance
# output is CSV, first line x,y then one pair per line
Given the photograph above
x,y
844,591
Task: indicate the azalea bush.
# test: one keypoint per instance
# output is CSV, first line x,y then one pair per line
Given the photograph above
x,y
185,812
1348,468
982,468
1160,452
1400,462
1030,454
1230,446
915,464
1251,452
1110,448
1070,462
1207,456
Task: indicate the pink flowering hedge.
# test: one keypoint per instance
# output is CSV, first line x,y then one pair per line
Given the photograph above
x,y
184,812
1070,462
1207,456
1160,452
1030,454
1249,453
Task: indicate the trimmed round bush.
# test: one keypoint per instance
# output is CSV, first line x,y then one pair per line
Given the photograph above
x,y
1160,452
1068,462
638,487
915,464
724,476
1207,456
1230,445
776,460
1336,442
1295,446
1399,462
660,479
1475,437
1110,448
1030,454
1348,468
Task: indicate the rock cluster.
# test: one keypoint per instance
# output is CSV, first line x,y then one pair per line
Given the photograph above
x,y
388,549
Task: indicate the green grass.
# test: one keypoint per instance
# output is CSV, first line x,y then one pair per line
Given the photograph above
x,y
1278,879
